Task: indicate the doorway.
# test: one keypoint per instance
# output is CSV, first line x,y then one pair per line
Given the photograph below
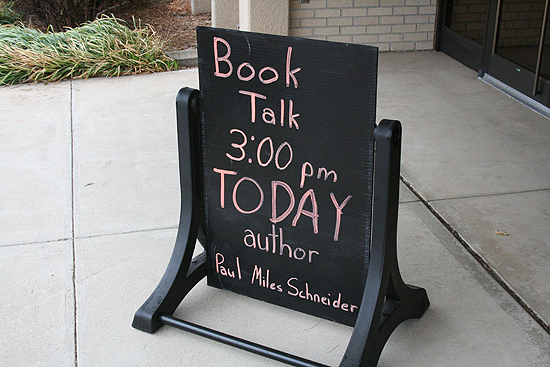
x,y
504,40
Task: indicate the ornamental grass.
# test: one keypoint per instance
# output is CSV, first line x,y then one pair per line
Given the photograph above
x,y
104,47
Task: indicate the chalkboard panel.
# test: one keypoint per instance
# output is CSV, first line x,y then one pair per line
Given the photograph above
x,y
287,131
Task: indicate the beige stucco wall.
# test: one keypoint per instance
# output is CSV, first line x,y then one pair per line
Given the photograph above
x,y
264,16
225,14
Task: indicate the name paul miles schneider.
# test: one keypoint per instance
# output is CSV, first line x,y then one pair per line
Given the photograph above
x,y
293,286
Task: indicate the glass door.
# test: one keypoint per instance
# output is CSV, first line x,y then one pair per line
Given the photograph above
x,y
520,52
505,39
462,30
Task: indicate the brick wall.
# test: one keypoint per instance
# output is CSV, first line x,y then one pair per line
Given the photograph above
x,y
391,25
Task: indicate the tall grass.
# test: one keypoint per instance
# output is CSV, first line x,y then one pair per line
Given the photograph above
x,y
104,47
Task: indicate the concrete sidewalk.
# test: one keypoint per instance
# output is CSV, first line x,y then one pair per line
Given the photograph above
x,y
89,207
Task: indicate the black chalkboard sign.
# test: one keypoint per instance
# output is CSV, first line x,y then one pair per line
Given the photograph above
x,y
277,162
287,154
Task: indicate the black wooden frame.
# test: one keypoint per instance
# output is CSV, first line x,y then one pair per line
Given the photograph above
x,y
387,300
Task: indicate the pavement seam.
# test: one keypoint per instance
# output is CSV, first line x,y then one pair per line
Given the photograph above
x,y
492,272
72,239
36,242
73,227
127,232
484,195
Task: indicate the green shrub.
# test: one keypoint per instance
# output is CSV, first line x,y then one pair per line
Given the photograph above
x,y
60,14
7,14
104,47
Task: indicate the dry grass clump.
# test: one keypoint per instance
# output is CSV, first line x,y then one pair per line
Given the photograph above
x,y
104,47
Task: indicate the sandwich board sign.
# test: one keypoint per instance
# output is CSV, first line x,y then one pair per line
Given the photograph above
x,y
277,172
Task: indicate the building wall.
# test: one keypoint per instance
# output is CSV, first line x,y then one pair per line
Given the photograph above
x,y
266,16
391,25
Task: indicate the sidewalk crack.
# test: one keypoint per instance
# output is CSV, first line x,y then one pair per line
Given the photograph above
x,y
501,281
473,196
73,226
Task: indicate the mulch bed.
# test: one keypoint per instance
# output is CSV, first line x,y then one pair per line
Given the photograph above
x,y
171,19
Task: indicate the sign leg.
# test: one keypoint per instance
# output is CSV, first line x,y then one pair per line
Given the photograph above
x,y
387,300
183,271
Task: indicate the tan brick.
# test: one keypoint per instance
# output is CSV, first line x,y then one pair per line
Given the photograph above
x,y
393,19
383,47
313,4
327,13
379,11
354,12
403,28
326,31
402,46
344,39
365,39
339,3
314,22
390,38
418,2
366,3
428,45
392,2
294,23
405,10
416,19
294,4
425,27
365,20
415,37
339,21
378,29
301,13
300,32
353,30
428,10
